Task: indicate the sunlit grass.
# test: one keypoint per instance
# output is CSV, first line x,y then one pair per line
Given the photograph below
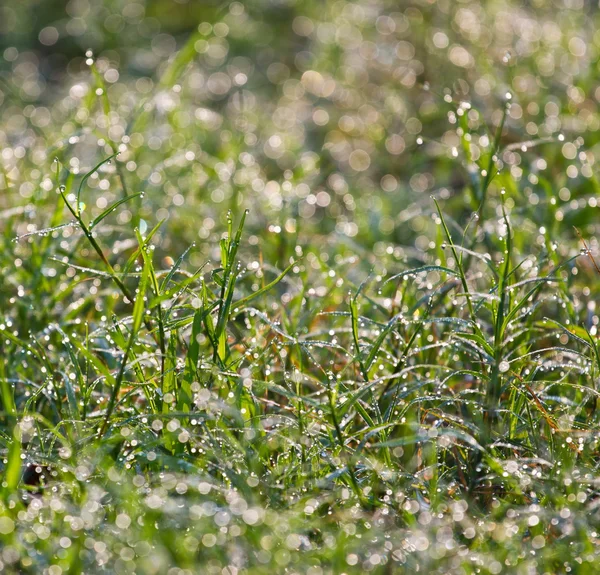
x,y
299,289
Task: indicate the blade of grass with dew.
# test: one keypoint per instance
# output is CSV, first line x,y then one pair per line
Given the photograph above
x,y
138,313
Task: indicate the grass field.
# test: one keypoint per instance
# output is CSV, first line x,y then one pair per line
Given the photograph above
x,y
302,287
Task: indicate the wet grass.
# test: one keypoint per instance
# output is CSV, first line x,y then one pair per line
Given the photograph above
x,y
223,352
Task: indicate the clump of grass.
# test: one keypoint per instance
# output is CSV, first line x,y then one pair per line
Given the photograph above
x,y
224,383
184,402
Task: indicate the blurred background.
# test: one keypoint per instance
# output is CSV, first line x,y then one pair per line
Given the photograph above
x,y
308,112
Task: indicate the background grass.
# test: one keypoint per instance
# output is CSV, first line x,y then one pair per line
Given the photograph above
x,y
299,287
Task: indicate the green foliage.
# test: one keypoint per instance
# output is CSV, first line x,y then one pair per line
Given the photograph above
x,y
296,287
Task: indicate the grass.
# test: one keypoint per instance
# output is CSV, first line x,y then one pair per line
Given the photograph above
x,y
241,332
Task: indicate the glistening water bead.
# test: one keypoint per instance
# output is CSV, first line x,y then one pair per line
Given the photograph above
x,y
503,366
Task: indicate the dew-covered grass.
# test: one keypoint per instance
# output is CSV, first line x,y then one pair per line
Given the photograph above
x,y
299,287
